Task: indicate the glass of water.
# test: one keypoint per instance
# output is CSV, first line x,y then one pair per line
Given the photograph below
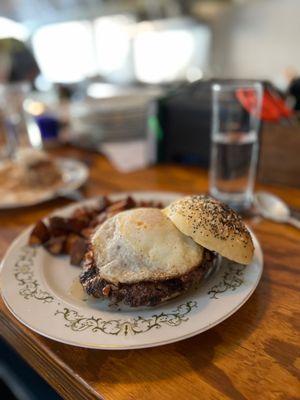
x,y
234,142
12,117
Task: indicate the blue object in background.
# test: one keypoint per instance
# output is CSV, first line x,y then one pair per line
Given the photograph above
x,y
49,127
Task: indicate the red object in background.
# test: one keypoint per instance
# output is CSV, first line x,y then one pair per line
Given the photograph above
x,y
273,106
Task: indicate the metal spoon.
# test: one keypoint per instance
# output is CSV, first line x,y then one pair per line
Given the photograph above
x,y
272,207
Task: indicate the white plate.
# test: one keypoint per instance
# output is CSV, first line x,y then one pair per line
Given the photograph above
x,y
74,174
36,287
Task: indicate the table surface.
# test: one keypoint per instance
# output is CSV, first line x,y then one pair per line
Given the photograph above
x,y
255,354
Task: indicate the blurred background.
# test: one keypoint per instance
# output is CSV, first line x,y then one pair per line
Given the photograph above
x,y
133,77
107,71
69,42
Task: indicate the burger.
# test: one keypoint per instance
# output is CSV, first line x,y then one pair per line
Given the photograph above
x,y
145,256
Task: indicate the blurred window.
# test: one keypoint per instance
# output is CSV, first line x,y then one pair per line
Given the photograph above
x,y
12,30
114,47
168,53
122,51
65,51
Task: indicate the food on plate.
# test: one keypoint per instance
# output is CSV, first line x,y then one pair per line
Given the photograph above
x,y
39,235
140,254
38,169
29,174
213,225
141,258
70,235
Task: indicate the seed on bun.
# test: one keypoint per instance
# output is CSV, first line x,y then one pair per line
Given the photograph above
x,y
213,225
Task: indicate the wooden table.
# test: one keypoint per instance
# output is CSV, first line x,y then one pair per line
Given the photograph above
x,y
255,354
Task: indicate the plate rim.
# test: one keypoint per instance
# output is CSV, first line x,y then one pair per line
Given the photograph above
x,y
25,232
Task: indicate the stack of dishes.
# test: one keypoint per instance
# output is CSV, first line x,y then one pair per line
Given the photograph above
x,y
120,115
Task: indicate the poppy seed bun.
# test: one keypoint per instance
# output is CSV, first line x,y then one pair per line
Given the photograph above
x,y
213,225
142,244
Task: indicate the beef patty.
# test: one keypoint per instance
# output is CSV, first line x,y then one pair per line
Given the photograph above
x,y
144,293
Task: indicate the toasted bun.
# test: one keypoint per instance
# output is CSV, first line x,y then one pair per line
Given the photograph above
x,y
213,225
143,245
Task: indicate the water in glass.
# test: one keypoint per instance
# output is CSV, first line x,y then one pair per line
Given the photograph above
x,y
234,143
233,165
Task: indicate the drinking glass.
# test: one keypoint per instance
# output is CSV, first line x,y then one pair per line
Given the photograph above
x,y
234,142
13,119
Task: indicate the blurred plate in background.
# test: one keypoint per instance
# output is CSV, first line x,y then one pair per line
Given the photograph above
x,y
74,174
